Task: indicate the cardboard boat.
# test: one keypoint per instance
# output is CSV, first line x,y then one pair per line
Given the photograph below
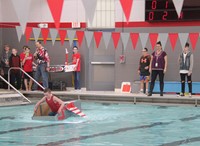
x,y
71,108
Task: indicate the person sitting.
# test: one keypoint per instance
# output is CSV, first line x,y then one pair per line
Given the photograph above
x,y
56,105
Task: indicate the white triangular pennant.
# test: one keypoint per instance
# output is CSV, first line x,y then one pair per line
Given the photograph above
x,y
183,37
88,37
125,38
71,34
178,4
53,33
90,7
36,33
19,32
22,8
143,39
106,38
162,37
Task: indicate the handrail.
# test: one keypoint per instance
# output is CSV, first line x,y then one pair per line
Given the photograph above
x,y
25,74
15,89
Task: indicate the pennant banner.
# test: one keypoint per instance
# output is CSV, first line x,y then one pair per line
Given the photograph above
x,y
36,33
71,34
134,39
19,32
45,33
62,34
88,37
125,38
22,8
153,39
173,39
53,33
178,4
126,7
183,37
55,7
80,35
28,33
115,37
106,38
97,38
90,7
163,39
143,39
193,39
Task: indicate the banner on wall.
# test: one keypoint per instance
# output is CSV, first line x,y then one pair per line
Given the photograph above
x,y
153,39
36,33
62,34
22,8
71,34
134,39
19,32
193,39
88,37
53,33
90,7
56,7
173,39
162,37
126,7
115,37
97,38
28,32
106,38
178,4
125,39
143,38
183,37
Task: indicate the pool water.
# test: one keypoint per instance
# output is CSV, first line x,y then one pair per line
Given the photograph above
x,y
105,125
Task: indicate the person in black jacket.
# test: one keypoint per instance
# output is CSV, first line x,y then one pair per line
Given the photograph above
x,y
143,70
14,61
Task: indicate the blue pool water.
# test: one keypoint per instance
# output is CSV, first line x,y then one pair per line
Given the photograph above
x,y
105,125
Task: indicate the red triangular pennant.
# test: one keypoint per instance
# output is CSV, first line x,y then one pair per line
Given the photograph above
x,y
134,39
62,34
126,6
97,37
173,39
80,35
55,7
28,32
115,37
45,33
193,39
153,39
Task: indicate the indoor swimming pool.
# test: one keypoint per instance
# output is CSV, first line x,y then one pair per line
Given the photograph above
x,y
106,124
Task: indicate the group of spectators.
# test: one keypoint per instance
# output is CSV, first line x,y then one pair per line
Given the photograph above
x,y
156,65
39,60
12,61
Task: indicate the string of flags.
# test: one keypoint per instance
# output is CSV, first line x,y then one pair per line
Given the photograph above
x,y
105,37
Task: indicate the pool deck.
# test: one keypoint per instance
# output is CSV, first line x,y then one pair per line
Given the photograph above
x,y
109,96
119,97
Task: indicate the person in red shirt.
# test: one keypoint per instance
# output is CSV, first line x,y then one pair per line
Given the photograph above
x,y
76,60
55,104
27,63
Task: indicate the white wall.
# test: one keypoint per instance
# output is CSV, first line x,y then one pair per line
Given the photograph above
x,y
73,10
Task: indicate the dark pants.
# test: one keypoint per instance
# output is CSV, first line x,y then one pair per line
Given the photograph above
x,y
153,78
16,77
77,81
189,80
5,85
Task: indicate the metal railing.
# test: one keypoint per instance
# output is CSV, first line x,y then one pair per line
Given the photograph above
x,y
15,89
25,74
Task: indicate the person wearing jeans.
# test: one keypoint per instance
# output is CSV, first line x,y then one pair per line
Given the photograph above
x,y
76,60
186,66
43,63
158,66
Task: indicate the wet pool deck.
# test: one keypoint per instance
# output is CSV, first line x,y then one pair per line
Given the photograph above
x,y
111,96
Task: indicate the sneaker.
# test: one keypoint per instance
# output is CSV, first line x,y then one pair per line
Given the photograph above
x,y
161,94
140,92
190,94
149,94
